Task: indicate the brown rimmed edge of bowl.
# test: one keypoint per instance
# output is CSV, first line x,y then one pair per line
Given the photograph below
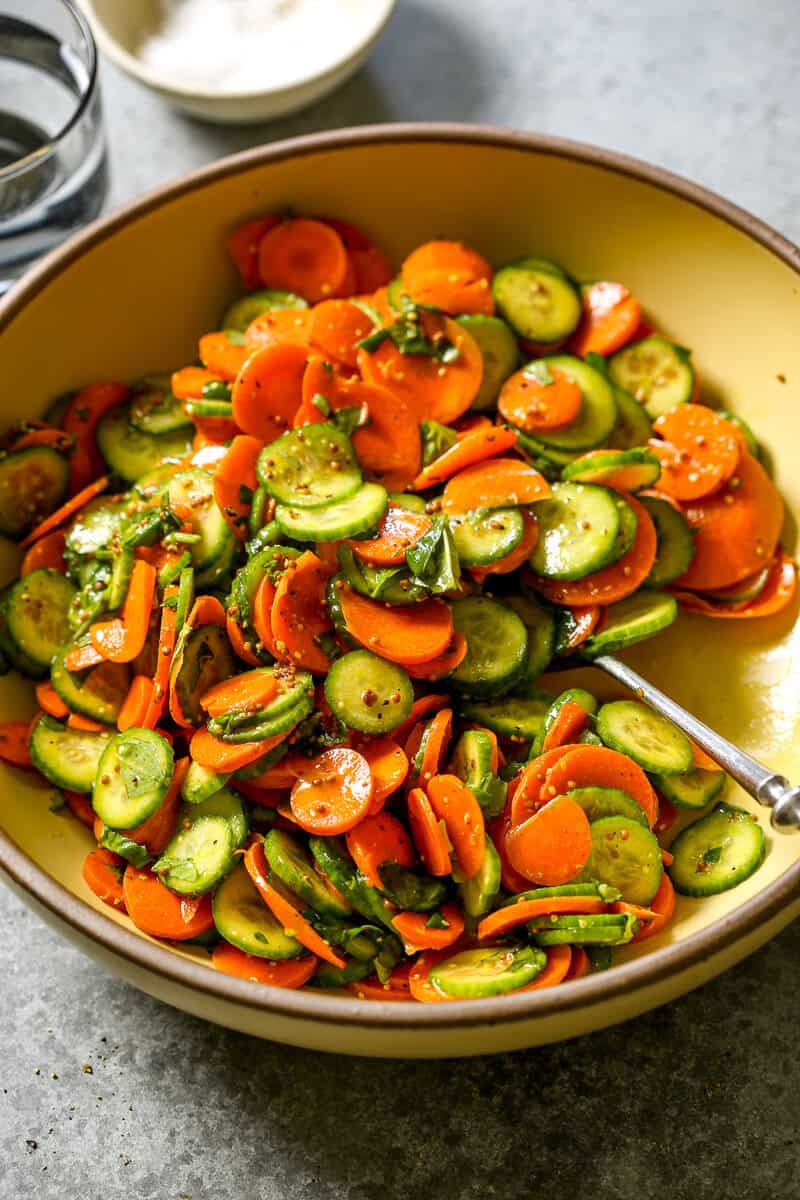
x,y
509,1009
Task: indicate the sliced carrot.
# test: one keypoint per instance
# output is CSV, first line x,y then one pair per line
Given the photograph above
x,y
417,935
136,703
262,615
437,737
557,968
419,982
248,692
219,354
413,634
49,700
279,326
337,326
700,451
102,872
242,244
332,792
85,724
443,255
517,557
444,663
388,766
378,840
511,915
211,752
396,987
612,583
529,786
498,483
389,446
429,837
44,436
291,974
282,776
531,405
283,910
371,266
453,803
268,390
450,276
80,807
157,831
569,723
67,510
611,317
241,647
586,617
580,964
397,532
156,910
597,766
14,743
553,845
122,639
47,552
188,382
633,910
432,389
473,423
233,472
299,615
735,530
81,419
206,610
663,905
778,593
419,709
303,256
701,759
475,446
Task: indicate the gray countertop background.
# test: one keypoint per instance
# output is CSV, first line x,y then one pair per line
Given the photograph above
x,y
696,1100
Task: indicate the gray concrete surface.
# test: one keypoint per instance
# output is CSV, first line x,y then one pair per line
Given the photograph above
x,y
106,1094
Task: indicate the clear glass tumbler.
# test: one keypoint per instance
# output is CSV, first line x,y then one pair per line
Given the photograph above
x,y
53,167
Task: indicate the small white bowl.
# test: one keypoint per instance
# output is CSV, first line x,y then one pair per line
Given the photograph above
x,y
118,26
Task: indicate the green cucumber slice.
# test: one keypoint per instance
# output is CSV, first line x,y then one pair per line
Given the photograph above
x,y
657,373
37,615
121,572
578,529
598,891
630,620
224,803
745,430
237,728
485,537
718,852
696,789
633,426
203,658
497,646
243,312
33,483
603,929
518,717
600,802
360,513
546,459
675,544
393,585
133,777
598,413
198,857
472,762
67,757
410,888
367,693
489,971
407,501
200,784
628,524
153,407
645,736
242,918
540,623
94,527
328,976
131,453
499,352
98,693
478,893
626,855
631,469
537,300
194,489
576,695
288,860
333,860
310,467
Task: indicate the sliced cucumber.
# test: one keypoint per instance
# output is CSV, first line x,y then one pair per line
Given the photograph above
x,y
745,430
328,976
288,859
600,802
490,971
657,373
203,658
630,620
268,723
603,929
368,693
630,469
628,524
578,529
717,852
645,736
478,893
633,426
393,585
37,615
242,918
98,693
194,490
598,413
518,717
133,777
244,311
497,646
626,855
309,467
336,864
537,300
131,453
696,789
576,695
200,784
407,501
360,513
271,561
746,589
593,889
410,888
541,626
472,761
67,757
33,483
485,537
546,459
94,527
224,803
674,541
153,407
198,857
499,353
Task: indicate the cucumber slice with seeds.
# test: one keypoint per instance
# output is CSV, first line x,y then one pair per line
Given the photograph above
x,y
153,407
198,857
133,777
600,802
537,300
633,427
629,621
675,544
718,852
603,929
98,693
541,626
657,373
598,413
485,537
202,658
242,918
367,693
645,736
309,467
33,483
499,352
629,469
478,893
472,762
578,529
489,971
628,524
696,789
94,527
67,757
37,615
130,452
224,803
194,490
200,784
518,717
626,855
288,859
243,312
359,513
497,646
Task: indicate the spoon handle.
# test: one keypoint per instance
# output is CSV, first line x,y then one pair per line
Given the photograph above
x,y
763,785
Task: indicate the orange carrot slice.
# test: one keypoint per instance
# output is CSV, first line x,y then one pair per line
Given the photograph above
x,y
611,317
220,355
156,910
268,390
388,766
437,739
444,663
102,873
778,593
453,803
291,974
531,405
167,637
299,614
14,743
475,446
663,905
277,327
419,709
396,987
497,483
248,692
413,634
283,910
188,382
569,723
211,752
241,647
453,292
242,244
413,929
337,326
66,511
559,959
377,840
511,915
397,532
136,703
389,447
429,837
529,786
122,639
49,700
517,557
371,266
304,256
47,552
553,845
332,793
700,451
597,766
237,469
81,419
80,808
580,964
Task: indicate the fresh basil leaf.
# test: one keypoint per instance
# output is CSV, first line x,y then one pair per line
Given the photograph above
x,y
178,868
132,852
321,404
349,419
436,439
712,855
140,765
597,361
433,558
437,921
234,336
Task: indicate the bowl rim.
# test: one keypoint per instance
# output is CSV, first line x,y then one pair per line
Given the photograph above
x,y
133,66
145,954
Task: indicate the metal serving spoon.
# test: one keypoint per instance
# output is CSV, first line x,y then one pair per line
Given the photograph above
x,y
763,785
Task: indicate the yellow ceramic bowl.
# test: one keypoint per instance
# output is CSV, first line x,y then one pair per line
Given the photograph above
x,y
133,292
